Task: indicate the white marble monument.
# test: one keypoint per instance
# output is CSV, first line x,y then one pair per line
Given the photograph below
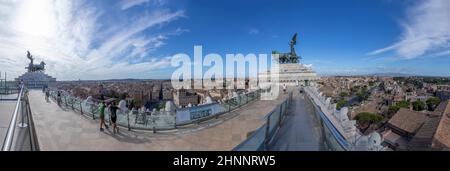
x,y
289,70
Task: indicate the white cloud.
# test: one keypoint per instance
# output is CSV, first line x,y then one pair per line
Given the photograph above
x,y
179,31
77,41
126,4
253,31
138,70
131,3
444,53
426,31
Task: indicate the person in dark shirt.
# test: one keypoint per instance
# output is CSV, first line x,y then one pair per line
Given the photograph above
x,y
58,98
47,95
19,86
113,108
131,106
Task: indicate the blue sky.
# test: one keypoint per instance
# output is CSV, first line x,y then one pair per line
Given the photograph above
x,y
136,38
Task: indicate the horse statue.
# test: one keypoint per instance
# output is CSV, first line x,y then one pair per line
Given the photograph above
x,y
34,68
288,57
40,67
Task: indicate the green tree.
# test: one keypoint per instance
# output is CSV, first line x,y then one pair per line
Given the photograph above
x,y
138,103
123,95
362,95
364,89
393,109
419,105
432,103
343,94
403,104
341,103
354,89
368,118
160,106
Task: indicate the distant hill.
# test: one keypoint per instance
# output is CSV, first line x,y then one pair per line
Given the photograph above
x,y
388,74
117,80
374,74
392,75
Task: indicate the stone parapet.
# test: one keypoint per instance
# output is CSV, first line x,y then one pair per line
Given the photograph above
x,y
346,127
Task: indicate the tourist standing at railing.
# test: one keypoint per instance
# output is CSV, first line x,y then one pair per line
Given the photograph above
x,y
47,94
20,86
113,108
58,98
102,116
131,106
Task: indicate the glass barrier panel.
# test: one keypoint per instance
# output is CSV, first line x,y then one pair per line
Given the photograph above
x,y
254,142
274,120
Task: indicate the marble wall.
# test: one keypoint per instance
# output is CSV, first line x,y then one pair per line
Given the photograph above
x,y
354,140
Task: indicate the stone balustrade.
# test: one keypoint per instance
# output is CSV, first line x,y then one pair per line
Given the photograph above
x,y
352,138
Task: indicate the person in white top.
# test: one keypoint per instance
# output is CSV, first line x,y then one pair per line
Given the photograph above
x,y
284,88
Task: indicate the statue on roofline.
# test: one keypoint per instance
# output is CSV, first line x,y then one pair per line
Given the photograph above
x,y
291,57
34,68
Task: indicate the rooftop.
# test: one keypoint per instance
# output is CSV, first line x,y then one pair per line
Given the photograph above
x,y
407,120
434,134
442,137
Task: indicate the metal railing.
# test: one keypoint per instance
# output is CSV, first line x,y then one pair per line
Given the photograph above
x,y
154,120
8,90
6,93
24,138
262,137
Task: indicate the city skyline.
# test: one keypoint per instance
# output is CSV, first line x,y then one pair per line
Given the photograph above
x,y
136,39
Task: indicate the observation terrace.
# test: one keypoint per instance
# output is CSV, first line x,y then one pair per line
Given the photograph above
x,y
63,128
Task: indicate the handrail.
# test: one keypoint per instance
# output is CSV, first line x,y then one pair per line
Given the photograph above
x,y
12,125
34,144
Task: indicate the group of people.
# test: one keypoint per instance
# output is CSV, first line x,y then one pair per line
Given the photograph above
x,y
102,108
113,116
112,107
